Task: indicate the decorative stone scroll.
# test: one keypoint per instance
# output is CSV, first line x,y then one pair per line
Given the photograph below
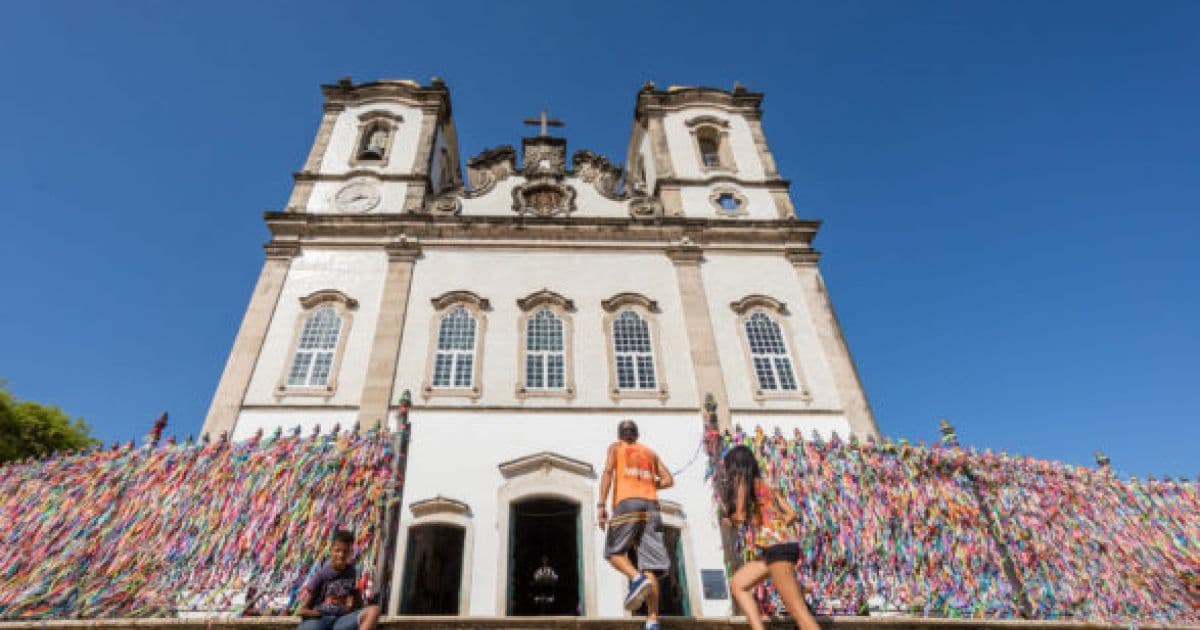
x,y
598,171
489,167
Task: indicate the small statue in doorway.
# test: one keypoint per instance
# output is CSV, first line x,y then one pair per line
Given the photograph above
x,y
545,579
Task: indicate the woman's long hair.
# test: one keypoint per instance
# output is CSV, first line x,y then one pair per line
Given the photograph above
x,y
741,470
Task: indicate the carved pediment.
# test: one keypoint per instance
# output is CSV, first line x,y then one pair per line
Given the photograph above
x,y
459,297
439,505
544,156
327,295
742,306
620,300
545,461
544,296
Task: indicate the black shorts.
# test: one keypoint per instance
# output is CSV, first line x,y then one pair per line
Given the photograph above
x,y
787,552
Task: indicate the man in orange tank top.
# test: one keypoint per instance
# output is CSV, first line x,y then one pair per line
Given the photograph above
x,y
635,474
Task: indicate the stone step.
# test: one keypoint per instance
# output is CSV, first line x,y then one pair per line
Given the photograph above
x,y
578,623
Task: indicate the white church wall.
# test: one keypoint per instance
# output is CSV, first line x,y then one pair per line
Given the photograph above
x,y
498,201
504,276
685,157
456,454
357,274
728,277
345,137
760,205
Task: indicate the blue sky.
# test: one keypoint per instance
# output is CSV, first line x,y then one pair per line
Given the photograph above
x,y
1010,190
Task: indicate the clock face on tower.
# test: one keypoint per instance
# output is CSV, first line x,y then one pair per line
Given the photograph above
x,y
357,197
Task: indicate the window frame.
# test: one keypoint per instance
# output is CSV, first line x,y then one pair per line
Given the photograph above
x,y
443,305
562,308
647,309
344,306
778,313
367,123
718,130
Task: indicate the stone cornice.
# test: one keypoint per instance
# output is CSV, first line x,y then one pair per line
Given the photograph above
x,y
403,249
309,176
295,226
725,178
327,295
435,96
742,306
802,256
614,303
650,100
286,250
460,297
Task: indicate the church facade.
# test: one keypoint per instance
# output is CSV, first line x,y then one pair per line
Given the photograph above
x,y
530,303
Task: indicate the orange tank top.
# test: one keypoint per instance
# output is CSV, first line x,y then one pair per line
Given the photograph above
x,y
634,474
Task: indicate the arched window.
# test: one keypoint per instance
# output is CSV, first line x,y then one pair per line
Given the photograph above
x,y
456,345
768,354
710,147
317,346
545,358
314,352
634,352
711,135
374,142
454,363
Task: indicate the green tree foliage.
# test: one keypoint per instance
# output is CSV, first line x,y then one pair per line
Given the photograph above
x,y
31,429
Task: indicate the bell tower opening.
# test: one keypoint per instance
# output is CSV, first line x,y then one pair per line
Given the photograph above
x,y
544,558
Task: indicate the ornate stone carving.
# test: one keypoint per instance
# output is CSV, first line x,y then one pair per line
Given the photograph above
x,y
742,306
643,207
544,296
489,167
614,303
598,171
448,203
545,157
544,198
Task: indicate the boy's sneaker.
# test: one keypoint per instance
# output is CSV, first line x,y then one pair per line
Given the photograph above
x,y
639,587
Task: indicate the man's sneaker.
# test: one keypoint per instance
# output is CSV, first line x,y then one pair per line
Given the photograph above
x,y
652,625
639,587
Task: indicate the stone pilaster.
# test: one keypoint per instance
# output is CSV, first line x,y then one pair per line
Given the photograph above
x,y
833,343
235,380
302,191
389,329
702,341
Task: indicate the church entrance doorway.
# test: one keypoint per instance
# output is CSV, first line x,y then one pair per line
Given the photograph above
x,y
544,559
433,566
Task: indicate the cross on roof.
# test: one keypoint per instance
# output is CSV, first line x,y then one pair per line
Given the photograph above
x,y
544,122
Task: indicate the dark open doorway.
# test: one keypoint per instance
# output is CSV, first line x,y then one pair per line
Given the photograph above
x,y
543,561
673,592
432,570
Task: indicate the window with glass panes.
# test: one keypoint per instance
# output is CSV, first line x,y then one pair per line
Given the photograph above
x,y
633,352
545,359
769,354
454,361
315,349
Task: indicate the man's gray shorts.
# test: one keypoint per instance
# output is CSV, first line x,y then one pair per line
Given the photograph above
x,y
636,522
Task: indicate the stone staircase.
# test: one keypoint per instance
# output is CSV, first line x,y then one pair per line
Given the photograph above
x,y
577,623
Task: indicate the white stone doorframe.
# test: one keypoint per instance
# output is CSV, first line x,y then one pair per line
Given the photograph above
x,y
674,516
436,511
553,476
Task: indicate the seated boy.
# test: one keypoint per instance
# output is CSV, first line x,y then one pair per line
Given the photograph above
x,y
329,599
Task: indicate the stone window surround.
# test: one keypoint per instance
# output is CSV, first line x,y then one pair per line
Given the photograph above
x,y
551,476
562,308
438,510
719,129
743,204
647,309
477,307
673,515
344,305
367,121
777,311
